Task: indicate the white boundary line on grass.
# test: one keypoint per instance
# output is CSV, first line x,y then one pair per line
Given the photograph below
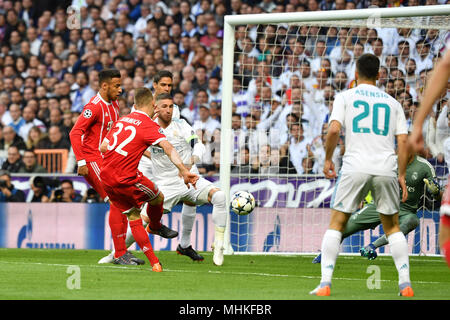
x,y
209,271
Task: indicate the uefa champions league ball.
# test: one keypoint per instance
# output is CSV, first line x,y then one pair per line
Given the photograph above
x,y
242,203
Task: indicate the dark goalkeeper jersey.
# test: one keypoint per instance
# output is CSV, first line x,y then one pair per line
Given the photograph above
x,y
416,171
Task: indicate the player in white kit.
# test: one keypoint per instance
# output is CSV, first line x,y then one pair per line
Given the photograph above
x,y
182,136
372,121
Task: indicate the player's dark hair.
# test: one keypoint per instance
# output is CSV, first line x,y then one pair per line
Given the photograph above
x,y
162,74
142,97
107,75
368,66
163,96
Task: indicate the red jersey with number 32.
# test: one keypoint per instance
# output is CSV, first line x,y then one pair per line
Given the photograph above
x,y
127,142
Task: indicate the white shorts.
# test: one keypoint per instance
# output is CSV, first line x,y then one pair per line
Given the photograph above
x,y
351,189
177,191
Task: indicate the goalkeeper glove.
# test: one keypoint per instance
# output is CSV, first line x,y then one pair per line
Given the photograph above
x,y
432,186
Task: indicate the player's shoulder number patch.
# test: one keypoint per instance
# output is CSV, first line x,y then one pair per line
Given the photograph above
x,y
87,113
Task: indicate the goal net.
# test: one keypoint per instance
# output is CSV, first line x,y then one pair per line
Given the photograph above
x,y
280,75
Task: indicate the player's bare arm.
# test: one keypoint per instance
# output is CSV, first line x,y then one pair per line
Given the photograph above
x,y
435,87
330,145
147,154
402,158
173,155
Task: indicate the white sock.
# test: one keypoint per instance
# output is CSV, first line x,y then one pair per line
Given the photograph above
x,y
187,220
331,244
220,212
399,250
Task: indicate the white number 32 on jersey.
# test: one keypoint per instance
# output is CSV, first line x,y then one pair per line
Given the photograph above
x,y
130,138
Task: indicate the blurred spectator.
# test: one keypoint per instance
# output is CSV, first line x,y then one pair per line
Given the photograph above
x,y
244,166
35,135
66,193
8,193
41,192
265,161
55,140
29,116
30,164
14,161
296,146
10,138
205,122
91,196
16,117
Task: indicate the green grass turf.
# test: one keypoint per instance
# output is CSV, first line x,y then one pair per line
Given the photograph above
x,y
43,274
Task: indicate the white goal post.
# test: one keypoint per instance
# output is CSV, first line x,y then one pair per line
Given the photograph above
x,y
414,17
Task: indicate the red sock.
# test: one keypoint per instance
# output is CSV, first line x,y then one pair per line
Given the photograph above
x,y
154,214
445,223
141,237
118,230
446,251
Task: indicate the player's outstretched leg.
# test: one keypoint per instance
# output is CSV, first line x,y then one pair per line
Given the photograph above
x,y
408,222
154,213
143,241
184,248
219,216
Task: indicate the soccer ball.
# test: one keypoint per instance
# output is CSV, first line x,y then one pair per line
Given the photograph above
x,y
242,203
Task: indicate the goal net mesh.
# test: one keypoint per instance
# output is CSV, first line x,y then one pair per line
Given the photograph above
x,y
285,79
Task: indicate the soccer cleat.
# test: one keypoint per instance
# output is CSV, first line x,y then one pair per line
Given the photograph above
x,y
107,259
406,290
369,252
322,290
190,252
317,259
125,260
218,253
133,258
164,232
157,267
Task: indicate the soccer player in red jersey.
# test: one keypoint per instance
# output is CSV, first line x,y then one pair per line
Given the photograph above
x,y
86,136
436,86
128,189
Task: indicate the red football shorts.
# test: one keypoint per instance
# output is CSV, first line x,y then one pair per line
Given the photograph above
x,y
445,203
126,197
93,178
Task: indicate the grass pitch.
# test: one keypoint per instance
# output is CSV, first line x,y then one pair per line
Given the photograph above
x,y
29,274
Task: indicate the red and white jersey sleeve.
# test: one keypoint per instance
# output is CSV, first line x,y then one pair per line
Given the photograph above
x,y
96,119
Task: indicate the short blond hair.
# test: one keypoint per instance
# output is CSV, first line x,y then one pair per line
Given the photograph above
x,y
143,97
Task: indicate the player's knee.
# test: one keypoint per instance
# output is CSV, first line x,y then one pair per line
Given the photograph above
x,y
218,198
409,224
158,200
133,214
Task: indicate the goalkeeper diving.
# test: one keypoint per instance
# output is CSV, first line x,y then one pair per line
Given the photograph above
x,y
420,174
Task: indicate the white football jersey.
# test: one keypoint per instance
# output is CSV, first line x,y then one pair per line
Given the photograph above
x,y
371,119
179,133
145,164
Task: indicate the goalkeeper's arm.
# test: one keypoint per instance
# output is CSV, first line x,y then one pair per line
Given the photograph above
x,y
433,188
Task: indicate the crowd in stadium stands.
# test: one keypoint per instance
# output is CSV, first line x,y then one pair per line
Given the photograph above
x,y
284,83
